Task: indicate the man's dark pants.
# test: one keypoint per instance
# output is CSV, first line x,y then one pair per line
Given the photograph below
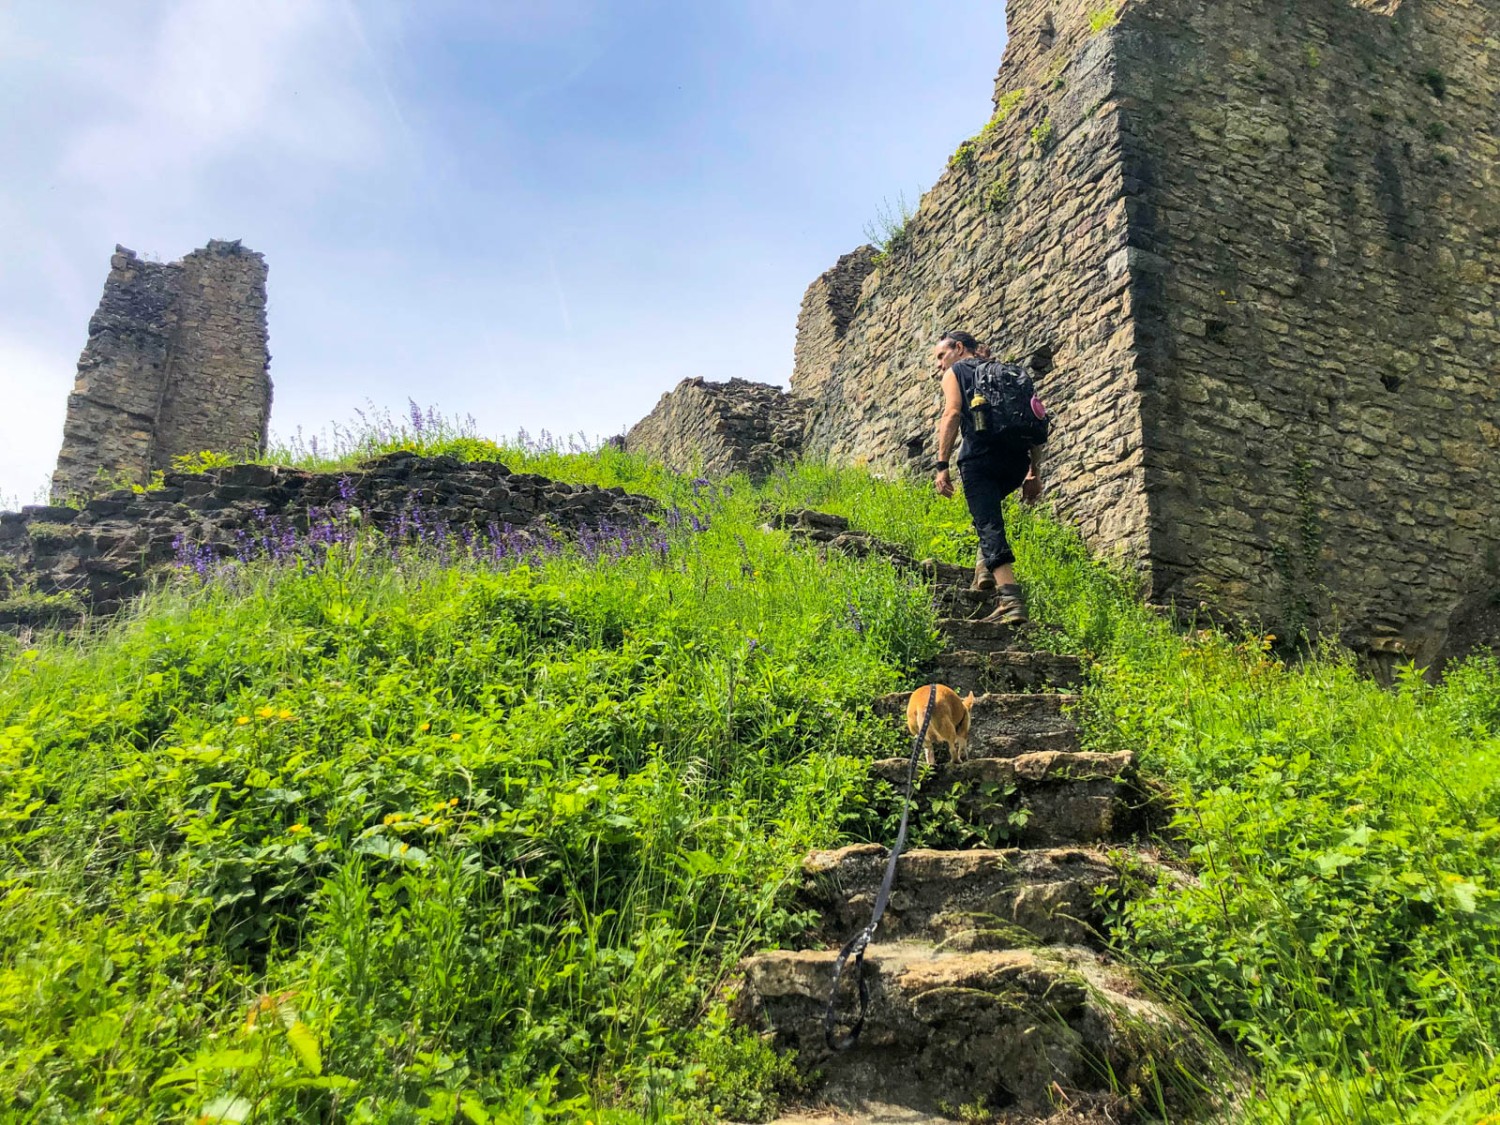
x,y
988,480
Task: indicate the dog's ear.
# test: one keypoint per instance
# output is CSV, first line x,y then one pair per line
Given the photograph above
x,y
969,702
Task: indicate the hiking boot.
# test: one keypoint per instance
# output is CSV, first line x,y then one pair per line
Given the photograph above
x,y
1012,607
984,581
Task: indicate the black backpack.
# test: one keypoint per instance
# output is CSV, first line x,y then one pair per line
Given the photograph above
x,y
1004,405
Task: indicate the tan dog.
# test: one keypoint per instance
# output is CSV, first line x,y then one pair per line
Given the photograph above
x,y
950,720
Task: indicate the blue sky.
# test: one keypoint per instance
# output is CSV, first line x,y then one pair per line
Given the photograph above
x,y
542,213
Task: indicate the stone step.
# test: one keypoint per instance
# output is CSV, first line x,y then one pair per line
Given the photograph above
x,y
946,576
863,1112
960,634
995,1028
1004,726
995,898
1046,798
1008,670
960,601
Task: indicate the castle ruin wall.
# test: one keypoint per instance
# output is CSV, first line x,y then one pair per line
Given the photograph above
x,y
1023,241
1318,212
827,309
720,428
176,362
1260,243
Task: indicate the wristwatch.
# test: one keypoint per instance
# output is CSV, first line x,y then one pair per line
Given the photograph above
x,y
942,466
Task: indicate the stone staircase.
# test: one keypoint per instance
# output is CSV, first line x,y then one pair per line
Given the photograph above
x,y
991,997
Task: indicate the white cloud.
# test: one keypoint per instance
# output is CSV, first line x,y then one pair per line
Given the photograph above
x,y
220,78
34,383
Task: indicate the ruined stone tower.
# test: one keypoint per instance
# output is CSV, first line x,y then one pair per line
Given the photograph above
x,y
1260,241
175,363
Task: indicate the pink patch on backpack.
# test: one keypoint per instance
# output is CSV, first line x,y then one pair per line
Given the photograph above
x,y
1038,408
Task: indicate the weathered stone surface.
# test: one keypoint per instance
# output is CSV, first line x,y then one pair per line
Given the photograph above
x,y
827,309
103,553
1003,672
986,636
176,362
999,895
1005,1027
1038,798
1004,726
719,428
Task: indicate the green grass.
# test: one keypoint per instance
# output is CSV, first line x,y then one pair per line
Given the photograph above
x,y
412,840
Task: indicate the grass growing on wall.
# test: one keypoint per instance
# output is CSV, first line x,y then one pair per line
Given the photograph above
x,y
366,837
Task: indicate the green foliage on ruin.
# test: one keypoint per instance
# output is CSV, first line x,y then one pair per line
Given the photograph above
x,y
1102,19
995,198
965,155
404,837
202,460
45,533
1041,137
890,231
1003,109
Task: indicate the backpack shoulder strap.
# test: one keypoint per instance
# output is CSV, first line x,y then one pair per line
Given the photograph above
x,y
964,372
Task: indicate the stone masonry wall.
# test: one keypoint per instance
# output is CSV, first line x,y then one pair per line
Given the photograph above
x,y
220,394
827,308
176,362
1260,241
1024,242
1317,208
101,554
718,428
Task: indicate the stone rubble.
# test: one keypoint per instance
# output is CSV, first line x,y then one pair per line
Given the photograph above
x,y
102,554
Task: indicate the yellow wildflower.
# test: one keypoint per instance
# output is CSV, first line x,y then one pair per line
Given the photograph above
x,y
242,720
455,736
294,829
425,727
452,802
424,821
284,714
392,818
404,848
266,712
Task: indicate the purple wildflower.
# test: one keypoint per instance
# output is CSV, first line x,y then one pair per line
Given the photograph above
x,y
856,622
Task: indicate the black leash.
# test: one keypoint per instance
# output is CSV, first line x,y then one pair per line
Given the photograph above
x,y
855,946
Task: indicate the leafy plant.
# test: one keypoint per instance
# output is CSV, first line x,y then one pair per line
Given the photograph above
x,y
1101,19
890,230
201,461
1041,137
963,157
995,197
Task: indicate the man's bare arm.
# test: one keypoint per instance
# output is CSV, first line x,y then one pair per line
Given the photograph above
x,y
948,424
947,431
